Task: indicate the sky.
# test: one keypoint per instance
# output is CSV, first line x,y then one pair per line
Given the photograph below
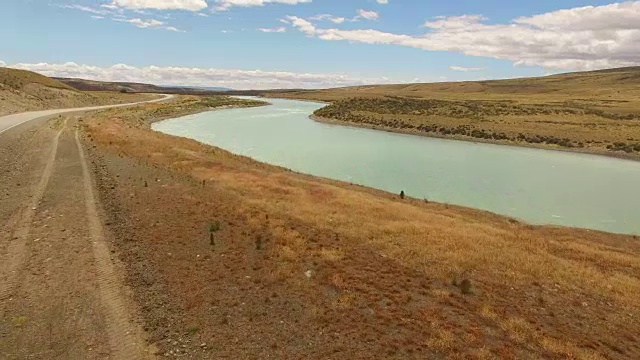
x,y
260,44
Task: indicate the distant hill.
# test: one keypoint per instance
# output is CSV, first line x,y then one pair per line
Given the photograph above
x,y
93,85
198,87
22,90
601,83
20,79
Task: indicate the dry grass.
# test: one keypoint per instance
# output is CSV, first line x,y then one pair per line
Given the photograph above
x,y
19,79
22,90
597,112
606,86
537,291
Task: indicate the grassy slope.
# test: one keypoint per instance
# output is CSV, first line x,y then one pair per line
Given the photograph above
x,y
18,79
595,112
22,90
310,268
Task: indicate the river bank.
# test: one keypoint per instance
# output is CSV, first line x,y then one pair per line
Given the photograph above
x,y
616,155
526,183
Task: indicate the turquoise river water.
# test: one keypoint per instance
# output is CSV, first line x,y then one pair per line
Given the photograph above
x,y
537,186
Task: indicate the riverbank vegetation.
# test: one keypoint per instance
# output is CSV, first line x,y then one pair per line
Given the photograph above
x,y
565,125
596,112
304,267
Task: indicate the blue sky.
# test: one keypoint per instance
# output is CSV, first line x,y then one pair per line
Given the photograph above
x,y
315,43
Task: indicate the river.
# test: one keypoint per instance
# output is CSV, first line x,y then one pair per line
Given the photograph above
x,y
534,185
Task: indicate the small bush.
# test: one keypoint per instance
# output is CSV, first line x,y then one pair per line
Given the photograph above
x,y
214,227
465,286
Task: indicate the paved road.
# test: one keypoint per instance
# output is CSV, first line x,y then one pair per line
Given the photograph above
x,y
9,121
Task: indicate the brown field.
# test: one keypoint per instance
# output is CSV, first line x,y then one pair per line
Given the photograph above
x,y
231,258
596,112
26,91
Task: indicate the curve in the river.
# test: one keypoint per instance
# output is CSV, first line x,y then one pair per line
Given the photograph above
x,y
538,186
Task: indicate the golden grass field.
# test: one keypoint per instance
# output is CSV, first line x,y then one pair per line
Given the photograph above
x,y
22,90
597,112
389,277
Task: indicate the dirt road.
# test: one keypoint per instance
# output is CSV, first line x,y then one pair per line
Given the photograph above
x,y
10,121
61,291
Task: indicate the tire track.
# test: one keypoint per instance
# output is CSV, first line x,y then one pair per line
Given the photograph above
x,y
125,336
14,257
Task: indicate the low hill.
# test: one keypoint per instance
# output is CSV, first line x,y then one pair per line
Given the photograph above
x,y
596,112
20,79
93,85
602,83
132,87
22,90
208,88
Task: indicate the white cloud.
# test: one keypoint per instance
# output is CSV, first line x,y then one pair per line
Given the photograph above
x,y
465,69
383,2
362,14
188,5
110,6
329,17
224,5
145,23
302,25
117,14
273,30
585,38
454,22
237,79
149,24
96,11
174,29
369,15
2,63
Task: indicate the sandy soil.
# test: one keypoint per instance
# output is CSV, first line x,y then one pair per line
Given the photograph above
x,y
61,293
